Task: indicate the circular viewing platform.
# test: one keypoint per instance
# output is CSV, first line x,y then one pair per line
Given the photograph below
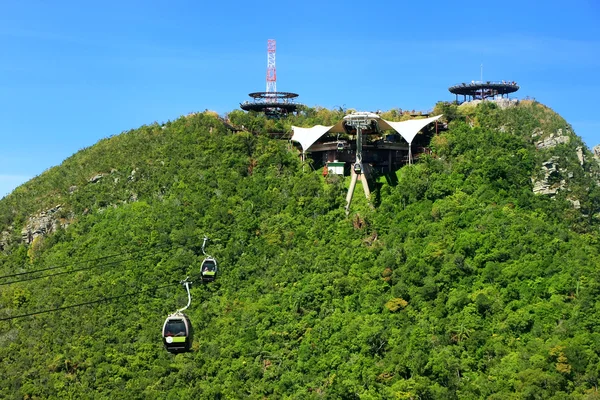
x,y
273,96
271,103
483,90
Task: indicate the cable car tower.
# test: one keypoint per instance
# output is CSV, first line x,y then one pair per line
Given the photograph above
x,y
273,103
361,121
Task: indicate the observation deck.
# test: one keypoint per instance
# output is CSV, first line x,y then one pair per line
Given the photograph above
x,y
478,90
272,103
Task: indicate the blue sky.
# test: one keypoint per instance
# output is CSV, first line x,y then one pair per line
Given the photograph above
x,y
74,72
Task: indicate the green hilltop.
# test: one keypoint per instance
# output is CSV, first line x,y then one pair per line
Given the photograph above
x,y
474,274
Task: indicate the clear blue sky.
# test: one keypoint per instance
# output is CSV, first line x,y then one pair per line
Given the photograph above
x,y
74,72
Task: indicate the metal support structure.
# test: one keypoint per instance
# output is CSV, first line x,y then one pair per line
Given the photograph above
x,y
186,284
204,244
271,70
359,146
366,172
354,178
359,121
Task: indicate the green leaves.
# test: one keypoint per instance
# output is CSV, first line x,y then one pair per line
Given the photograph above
x,y
460,284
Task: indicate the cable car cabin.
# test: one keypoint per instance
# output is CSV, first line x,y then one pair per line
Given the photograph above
x,y
177,333
209,269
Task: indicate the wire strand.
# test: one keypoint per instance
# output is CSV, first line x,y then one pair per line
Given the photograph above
x,y
79,269
111,298
73,264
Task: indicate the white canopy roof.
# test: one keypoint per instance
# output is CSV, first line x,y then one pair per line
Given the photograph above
x,y
407,129
307,136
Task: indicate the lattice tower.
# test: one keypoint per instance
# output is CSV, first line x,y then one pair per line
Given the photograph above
x,y
271,72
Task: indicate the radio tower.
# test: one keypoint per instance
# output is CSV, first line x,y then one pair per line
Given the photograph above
x,y
273,103
271,72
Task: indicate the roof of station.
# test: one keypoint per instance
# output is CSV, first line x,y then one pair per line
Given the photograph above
x,y
407,129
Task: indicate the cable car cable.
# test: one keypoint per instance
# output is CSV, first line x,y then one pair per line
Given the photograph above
x,y
57,267
73,264
111,298
77,270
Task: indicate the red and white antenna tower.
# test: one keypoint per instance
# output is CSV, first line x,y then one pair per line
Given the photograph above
x,y
271,72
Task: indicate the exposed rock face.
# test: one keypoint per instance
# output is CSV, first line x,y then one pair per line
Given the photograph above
x,y
42,224
543,186
576,203
580,155
506,103
550,183
132,175
4,238
552,140
501,103
597,153
96,178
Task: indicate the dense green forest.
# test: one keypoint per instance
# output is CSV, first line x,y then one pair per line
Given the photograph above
x,y
456,282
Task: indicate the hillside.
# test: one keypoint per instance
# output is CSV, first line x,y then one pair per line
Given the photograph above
x,y
474,276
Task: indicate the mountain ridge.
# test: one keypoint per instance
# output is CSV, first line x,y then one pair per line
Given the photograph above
x,y
460,283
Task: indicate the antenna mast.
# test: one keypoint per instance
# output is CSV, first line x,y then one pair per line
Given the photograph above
x,y
273,103
271,72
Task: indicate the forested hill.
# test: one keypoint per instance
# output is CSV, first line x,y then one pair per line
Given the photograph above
x,y
460,282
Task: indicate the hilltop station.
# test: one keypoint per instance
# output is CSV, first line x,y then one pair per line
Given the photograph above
x,y
362,142
358,143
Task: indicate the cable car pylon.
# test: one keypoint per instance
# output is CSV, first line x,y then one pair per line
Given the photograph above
x,y
359,170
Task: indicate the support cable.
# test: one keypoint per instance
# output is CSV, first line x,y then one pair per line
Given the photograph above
x,y
78,269
71,264
111,298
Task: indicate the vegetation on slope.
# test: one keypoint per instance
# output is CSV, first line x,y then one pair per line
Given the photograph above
x,y
461,283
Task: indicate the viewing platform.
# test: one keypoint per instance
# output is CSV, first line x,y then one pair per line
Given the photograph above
x,y
478,90
272,103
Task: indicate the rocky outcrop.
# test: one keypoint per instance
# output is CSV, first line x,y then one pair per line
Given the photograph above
x,y
544,186
41,224
4,238
580,155
501,102
96,178
505,103
551,183
597,153
576,203
551,141
131,177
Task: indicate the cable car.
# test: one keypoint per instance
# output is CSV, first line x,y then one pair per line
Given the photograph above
x,y
209,269
177,329
340,145
177,333
357,168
